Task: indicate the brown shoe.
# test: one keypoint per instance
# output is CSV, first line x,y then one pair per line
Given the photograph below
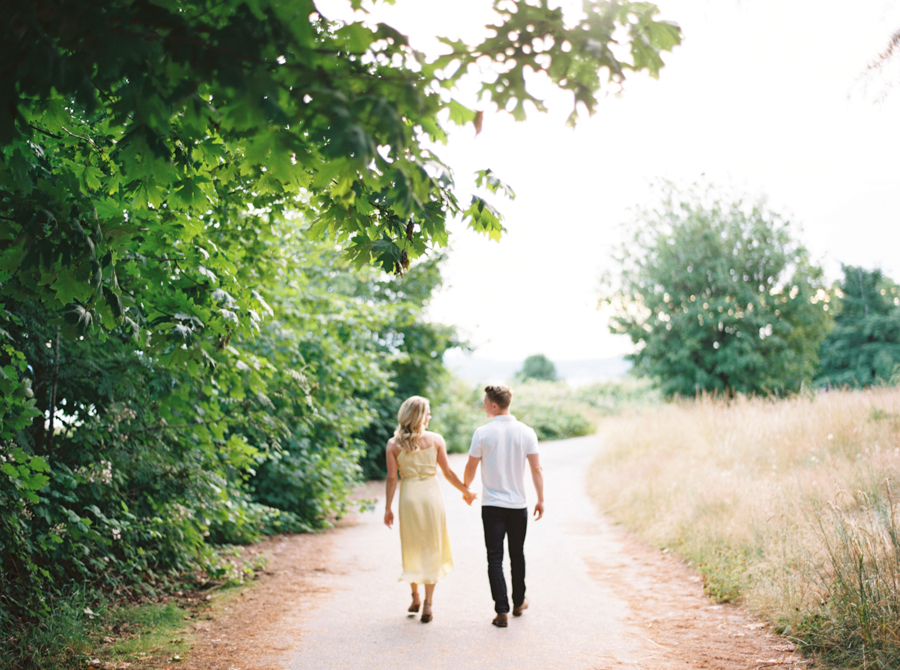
x,y
500,620
518,609
426,612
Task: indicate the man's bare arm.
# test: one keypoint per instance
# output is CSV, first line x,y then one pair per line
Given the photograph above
x,y
537,476
471,469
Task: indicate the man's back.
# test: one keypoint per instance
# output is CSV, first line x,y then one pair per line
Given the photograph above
x,y
503,446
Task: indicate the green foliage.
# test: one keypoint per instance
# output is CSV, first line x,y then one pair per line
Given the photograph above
x,y
151,627
149,466
555,410
613,396
457,414
552,409
59,641
179,363
537,367
175,117
718,296
864,346
410,349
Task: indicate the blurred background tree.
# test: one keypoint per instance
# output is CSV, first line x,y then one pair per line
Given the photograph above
x,y
864,346
537,367
718,296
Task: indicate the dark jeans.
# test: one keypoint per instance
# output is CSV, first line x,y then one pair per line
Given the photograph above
x,y
500,522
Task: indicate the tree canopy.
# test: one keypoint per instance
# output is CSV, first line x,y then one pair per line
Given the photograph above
x,y
537,367
864,346
718,296
181,362
148,145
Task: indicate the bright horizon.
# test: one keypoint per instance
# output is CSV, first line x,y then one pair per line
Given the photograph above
x,y
762,95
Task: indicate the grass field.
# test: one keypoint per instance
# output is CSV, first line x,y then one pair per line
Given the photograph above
x,y
786,505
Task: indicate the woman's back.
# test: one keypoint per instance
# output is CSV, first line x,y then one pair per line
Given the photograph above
x,y
419,463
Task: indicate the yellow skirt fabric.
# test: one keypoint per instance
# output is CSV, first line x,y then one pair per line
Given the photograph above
x,y
424,541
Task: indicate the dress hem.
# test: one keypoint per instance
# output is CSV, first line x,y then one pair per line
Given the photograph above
x,y
445,570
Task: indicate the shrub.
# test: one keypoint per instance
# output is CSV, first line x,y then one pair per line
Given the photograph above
x,y
553,409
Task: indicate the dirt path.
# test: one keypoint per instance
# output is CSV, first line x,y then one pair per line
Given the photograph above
x,y
599,599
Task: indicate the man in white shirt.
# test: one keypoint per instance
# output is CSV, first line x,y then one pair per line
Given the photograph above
x,y
502,447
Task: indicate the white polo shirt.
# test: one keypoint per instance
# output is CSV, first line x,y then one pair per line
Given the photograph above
x,y
503,445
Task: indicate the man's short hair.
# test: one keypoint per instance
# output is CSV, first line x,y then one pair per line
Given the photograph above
x,y
500,394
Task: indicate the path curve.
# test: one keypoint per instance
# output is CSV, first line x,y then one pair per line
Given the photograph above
x,y
598,598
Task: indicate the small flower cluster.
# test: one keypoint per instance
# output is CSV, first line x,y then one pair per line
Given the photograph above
x,y
103,476
125,414
179,511
116,534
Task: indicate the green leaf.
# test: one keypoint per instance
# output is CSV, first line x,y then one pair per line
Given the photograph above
x,y
69,288
459,114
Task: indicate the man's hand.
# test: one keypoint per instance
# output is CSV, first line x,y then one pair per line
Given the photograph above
x,y
388,518
538,511
469,497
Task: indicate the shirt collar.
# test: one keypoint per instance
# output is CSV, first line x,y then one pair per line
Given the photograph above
x,y
504,417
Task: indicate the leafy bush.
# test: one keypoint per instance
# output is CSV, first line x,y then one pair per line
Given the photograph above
x,y
456,413
554,409
410,351
613,396
149,467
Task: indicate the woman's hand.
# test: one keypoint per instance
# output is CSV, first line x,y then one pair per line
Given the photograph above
x,y
469,496
388,518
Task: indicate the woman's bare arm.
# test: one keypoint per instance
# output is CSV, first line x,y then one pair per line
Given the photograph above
x,y
390,484
451,477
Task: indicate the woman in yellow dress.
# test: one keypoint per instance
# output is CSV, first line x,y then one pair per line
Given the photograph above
x,y
415,454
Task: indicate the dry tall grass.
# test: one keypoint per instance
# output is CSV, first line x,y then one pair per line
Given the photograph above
x,y
787,505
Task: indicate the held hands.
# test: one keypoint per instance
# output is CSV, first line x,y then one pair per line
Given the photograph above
x,y
469,496
388,518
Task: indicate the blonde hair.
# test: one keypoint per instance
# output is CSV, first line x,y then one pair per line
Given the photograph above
x,y
411,420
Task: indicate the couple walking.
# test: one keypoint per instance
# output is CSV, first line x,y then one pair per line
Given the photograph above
x,y
502,447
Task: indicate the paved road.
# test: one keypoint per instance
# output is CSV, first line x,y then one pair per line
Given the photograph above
x,y
574,622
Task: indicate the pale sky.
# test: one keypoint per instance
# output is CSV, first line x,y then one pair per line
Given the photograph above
x,y
763,95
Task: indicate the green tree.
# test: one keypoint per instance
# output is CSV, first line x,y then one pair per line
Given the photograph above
x,y
149,147
537,367
864,346
411,351
718,296
157,160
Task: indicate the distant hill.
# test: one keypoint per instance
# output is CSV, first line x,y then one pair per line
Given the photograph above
x,y
575,372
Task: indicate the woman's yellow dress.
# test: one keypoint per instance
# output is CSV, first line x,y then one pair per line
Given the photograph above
x,y
424,541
